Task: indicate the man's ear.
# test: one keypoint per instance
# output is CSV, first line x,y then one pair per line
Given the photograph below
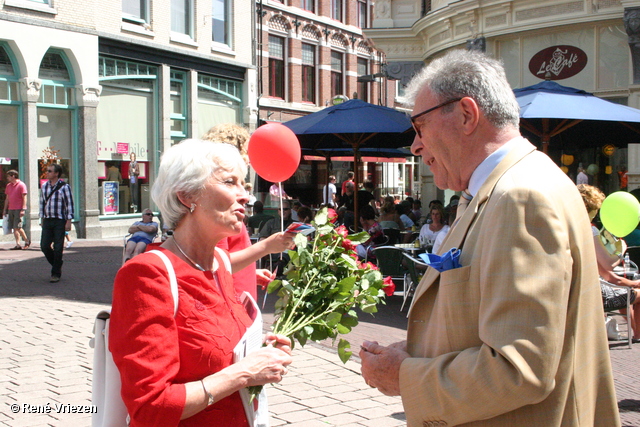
x,y
470,115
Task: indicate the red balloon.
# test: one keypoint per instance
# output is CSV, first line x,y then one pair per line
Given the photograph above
x,y
274,152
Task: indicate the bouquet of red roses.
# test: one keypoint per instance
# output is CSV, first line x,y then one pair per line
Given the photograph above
x,y
324,284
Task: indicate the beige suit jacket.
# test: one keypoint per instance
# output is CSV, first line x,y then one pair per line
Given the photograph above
x,y
515,337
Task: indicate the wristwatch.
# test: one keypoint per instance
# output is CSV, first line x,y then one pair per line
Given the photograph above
x,y
210,398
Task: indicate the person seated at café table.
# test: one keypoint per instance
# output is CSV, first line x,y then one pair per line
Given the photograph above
x,y
143,232
273,225
371,226
389,218
430,232
613,298
259,218
305,215
402,209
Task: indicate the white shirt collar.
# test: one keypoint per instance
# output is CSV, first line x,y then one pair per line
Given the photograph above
x,y
484,169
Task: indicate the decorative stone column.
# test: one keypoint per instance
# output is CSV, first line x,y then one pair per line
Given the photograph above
x,y
88,202
30,92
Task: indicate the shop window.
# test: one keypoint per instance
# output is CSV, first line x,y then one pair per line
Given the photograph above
x,y
276,66
136,11
219,101
10,117
221,21
129,98
57,122
308,72
337,72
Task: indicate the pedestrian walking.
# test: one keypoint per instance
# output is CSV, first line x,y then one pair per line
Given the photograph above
x,y
56,212
15,206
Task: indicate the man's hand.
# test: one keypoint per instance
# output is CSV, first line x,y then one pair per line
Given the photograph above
x,y
67,225
381,365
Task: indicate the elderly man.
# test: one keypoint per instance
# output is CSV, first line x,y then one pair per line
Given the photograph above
x,y
143,233
514,336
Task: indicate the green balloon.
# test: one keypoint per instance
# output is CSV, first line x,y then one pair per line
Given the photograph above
x,y
619,213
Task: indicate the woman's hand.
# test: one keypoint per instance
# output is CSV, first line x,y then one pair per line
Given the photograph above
x,y
264,277
278,341
265,366
279,242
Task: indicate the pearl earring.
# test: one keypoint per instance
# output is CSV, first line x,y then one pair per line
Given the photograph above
x,y
192,208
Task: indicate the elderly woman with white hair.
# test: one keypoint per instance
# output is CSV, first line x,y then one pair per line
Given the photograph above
x,y
177,368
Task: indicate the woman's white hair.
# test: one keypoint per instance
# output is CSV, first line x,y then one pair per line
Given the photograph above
x,y
185,169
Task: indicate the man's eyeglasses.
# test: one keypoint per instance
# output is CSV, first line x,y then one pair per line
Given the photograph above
x,y
416,127
286,209
147,214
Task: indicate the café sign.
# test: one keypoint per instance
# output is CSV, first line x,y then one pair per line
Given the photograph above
x,y
558,62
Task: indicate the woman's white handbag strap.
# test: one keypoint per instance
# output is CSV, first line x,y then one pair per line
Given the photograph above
x,y
172,278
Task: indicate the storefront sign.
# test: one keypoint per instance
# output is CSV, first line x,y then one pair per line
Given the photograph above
x,y
608,150
558,62
122,147
110,202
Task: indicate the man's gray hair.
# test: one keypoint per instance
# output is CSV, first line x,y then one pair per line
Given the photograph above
x,y
461,73
185,169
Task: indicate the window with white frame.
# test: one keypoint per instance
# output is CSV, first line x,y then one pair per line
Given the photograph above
x,y
182,17
337,73
309,5
363,8
136,11
276,66
45,6
221,21
308,72
337,9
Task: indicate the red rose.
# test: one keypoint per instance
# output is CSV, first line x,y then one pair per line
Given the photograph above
x,y
332,215
342,231
348,245
371,266
389,287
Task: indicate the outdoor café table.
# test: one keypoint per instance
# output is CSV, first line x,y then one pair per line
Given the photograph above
x,y
409,247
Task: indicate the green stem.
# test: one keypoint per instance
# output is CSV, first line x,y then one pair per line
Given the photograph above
x,y
304,292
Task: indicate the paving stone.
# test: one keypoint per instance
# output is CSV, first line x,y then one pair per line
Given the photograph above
x,y
45,356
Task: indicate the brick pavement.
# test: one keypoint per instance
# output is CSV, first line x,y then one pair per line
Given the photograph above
x,y
44,355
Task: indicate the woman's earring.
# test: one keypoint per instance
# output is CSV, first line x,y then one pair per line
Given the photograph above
x,y
192,208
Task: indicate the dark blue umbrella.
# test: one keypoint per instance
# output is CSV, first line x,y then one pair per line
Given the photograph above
x,y
548,109
353,125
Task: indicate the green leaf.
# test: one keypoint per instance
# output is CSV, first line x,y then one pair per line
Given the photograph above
x,y
273,286
333,319
359,237
350,261
321,217
325,230
345,285
344,350
350,321
301,241
343,329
